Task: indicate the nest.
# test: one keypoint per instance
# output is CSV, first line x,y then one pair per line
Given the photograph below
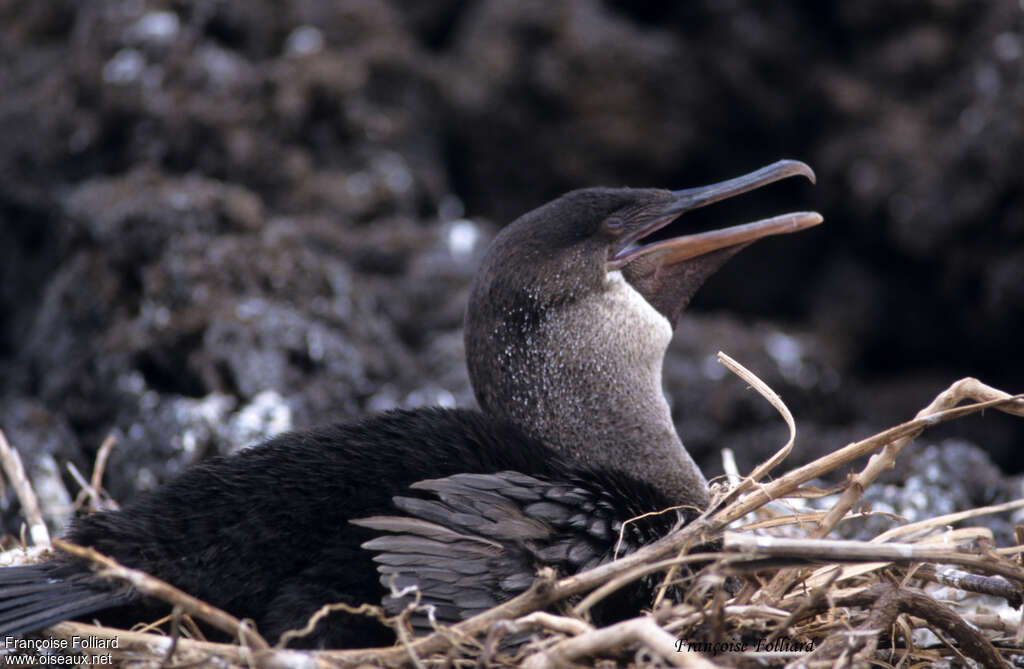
x,y
777,593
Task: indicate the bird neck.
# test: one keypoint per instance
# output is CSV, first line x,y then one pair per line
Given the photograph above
x,y
585,379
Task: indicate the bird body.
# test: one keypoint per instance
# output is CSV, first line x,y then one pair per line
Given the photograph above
x,y
234,537
566,329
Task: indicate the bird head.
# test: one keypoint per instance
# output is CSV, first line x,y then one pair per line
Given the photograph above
x,y
571,313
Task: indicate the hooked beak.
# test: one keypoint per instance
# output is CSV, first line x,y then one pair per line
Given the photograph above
x,y
667,273
685,247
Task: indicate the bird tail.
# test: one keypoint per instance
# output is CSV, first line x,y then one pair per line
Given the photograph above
x,y
36,596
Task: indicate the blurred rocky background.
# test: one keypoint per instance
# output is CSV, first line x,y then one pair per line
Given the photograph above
x,y
219,220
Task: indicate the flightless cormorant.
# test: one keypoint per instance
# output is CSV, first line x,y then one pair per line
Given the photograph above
x,y
566,329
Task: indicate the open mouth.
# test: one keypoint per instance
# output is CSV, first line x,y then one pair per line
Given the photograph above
x,y
685,247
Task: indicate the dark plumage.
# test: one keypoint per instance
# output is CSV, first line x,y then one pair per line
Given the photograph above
x,y
565,334
278,563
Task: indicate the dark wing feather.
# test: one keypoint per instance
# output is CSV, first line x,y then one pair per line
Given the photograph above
x,y
36,596
447,565
482,538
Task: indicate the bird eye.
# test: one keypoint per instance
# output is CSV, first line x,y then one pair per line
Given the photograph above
x,y
613,224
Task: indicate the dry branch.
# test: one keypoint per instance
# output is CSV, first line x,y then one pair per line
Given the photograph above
x,y
155,646
154,587
938,410
947,519
968,582
838,550
788,483
638,631
887,602
964,389
100,464
773,398
23,489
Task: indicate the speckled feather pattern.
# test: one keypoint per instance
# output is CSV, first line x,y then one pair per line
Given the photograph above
x,y
578,350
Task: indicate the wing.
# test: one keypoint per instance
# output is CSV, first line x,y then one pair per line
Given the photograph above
x,y
481,538
36,596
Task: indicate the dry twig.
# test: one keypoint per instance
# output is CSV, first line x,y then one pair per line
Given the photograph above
x,y
887,602
23,489
839,550
100,465
154,587
941,407
638,631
